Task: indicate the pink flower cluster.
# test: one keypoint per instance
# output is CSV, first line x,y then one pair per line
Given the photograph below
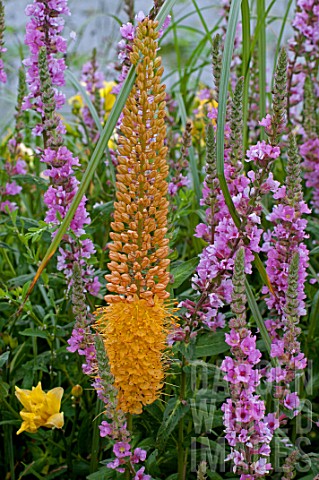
x,y
125,48
44,30
306,23
3,75
82,341
280,244
124,456
304,47
248,431
309,150
216,263
12,167
58,198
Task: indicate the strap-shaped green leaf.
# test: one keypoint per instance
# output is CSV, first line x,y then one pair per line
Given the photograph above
x,y
222,102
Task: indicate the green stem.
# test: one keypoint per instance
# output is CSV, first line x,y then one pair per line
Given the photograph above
x,y
262,61
96,438
245,13
11,409
313,319
9,262
71,437
129,423
9,450
222,101
181,449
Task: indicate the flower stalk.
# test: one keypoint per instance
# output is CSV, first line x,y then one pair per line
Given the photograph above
x,y
134,324
3,75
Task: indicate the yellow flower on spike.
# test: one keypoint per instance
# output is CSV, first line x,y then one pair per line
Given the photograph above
x,y
107,96
40,409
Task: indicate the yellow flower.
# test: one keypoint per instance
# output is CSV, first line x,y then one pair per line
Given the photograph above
x,y
111,144
76,101
134,336
25,152
108,97
40,409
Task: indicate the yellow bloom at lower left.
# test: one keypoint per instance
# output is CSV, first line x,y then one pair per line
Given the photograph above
x,y
40,409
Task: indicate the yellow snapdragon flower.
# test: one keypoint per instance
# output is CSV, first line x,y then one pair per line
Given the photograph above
x,y
40,409
108,97
76,101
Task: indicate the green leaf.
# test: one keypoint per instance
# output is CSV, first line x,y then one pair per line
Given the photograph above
x,y
211,343
31,180
258,318
186,349
10,422
245,13
102,474
175,410
183,271
261,7
4,389
313,318
4,358
222,103
214,476
6,246
33,332
20,280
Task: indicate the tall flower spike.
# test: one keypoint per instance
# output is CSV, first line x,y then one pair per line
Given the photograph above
x,y
50,119
3,75
309,109
275,124
19,116
44,30
290,465
288,236
279,96
216,62
211,178
133,324
201,473
247,429
236,126
179,166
